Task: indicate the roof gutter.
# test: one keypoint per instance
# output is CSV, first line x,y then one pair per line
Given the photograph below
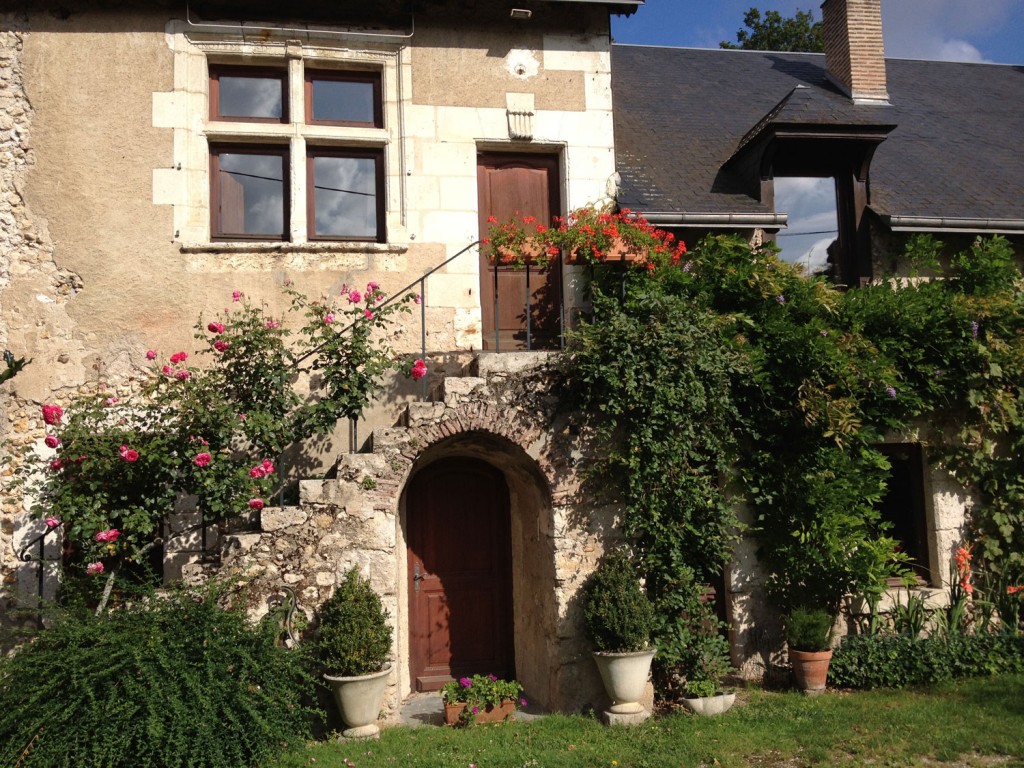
x,y
717,220
944,224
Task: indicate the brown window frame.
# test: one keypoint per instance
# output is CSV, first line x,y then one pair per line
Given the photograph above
x,y
278,73
216,233
348,76
313,152
904,506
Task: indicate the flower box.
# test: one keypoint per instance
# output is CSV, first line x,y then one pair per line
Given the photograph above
x,y
619,252
453,713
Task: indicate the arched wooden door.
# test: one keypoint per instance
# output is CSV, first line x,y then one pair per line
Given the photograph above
x,y
460,573
522,308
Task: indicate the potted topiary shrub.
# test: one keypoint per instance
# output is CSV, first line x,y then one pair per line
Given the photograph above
x,y
354,646
809,636
619,619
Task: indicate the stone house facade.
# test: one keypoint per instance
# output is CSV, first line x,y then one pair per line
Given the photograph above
x,y
153,161
158,158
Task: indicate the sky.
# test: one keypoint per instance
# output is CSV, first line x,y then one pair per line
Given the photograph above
x,y
945,30
940,30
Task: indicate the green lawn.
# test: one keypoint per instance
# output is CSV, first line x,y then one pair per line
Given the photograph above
x,y
969,723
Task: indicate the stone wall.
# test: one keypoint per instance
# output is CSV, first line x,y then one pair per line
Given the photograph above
x,y
506,415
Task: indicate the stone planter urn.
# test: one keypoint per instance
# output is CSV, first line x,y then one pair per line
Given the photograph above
x,y
359,701
624,676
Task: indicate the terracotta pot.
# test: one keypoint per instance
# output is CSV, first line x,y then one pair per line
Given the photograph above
x,y
810,669
624,676
453,713
359,701
710,705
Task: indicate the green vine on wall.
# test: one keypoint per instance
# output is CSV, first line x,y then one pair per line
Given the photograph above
x,y
733,363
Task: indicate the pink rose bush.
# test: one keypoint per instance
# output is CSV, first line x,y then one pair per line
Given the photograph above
x,y
210,432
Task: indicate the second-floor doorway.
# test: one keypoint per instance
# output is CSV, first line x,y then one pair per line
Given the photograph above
x,y
521,307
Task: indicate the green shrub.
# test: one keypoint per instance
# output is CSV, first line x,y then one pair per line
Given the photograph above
x,y
354,638
898,661
617,611
168,682
809,629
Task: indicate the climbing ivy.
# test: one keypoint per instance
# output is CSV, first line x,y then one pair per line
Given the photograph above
x,y
732,374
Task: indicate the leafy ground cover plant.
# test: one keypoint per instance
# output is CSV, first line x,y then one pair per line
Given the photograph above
x,y
174,681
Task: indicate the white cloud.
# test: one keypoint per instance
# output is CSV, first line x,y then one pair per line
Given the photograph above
x,y
936,29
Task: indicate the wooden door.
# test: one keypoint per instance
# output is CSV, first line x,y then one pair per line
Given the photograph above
x,y
522,308
460,573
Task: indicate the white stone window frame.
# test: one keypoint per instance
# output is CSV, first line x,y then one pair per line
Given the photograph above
x,y
186,184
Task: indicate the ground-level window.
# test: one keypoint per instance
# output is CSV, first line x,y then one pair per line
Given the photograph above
x,y
904,506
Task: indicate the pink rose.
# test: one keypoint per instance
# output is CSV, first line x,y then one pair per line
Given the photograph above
x,y
94,569
268,466
271,325
236,295
56,465
151,354
256,504
131,455
182,375
220,346
215,327
110,401
329,317
108,536
168,370
52,414
52,522
202,459
354,296
372,286
179,357
417,299
367,314
418,370
122,451
52,441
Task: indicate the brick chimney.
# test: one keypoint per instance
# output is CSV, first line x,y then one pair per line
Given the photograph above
x,y
854,53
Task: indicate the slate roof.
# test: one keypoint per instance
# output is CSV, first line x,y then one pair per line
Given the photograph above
x,y
957,149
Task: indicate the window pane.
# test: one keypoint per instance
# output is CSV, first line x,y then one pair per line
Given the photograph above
x,y
251,194
811,205
345,193
344,101
244,96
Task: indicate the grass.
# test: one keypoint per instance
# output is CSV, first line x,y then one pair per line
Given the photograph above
x,y
968,723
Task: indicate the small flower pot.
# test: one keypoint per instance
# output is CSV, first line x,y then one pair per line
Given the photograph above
x,y
710,705
506,711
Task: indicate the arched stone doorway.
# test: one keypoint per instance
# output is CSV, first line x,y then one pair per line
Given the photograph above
x,y
459,572
535,633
